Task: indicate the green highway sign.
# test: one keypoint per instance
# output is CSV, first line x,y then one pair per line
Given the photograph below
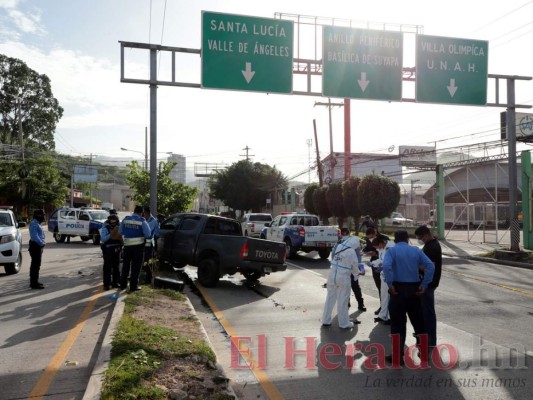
x,y
451,71
246,53
362,63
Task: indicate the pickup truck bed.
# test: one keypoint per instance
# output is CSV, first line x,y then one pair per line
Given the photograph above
x,y
217,247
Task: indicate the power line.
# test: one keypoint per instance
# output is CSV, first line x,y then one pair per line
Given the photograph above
x,y
502,16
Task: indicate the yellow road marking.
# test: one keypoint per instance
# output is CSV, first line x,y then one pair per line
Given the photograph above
x,y
46,378
266,384
513,289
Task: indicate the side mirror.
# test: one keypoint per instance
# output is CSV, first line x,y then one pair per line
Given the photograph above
x,y
267,224
21,224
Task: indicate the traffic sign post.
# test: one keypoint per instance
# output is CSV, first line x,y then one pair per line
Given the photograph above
x,y
451,71
246,53
362,63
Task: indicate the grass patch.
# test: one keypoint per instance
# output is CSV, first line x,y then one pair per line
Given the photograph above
x,y
139,349
489,254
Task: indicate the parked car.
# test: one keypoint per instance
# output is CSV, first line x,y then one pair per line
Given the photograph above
x,y
10,241
253,223
216,246
397,218
83,222
302,232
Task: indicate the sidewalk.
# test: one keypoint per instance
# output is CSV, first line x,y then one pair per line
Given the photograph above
x,y
477,252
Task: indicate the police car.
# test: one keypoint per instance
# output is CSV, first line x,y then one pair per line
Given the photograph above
x,y
83,222
10,241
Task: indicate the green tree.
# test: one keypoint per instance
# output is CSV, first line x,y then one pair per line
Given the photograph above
x,y
36,183
334,199
350,198
378,196
245,185
172,197
320,204
26,100
308,198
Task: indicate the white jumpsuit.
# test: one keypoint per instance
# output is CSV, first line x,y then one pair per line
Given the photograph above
x,y
384,301
343,264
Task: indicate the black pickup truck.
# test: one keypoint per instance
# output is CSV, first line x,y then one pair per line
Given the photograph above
x,y
217,247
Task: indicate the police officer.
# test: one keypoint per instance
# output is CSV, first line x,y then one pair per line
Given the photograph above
x,y
36,247
153,223
401,267
111,246
135,231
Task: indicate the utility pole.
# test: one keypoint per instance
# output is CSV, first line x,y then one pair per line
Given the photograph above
x,y
21,133
247,155
329,105
318,163
90,183
309,144
413,181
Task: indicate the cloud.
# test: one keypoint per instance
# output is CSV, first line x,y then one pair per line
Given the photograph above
x,y
28,21
88,88
9,3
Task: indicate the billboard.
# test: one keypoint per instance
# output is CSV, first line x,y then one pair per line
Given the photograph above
x,y
85,173
523,124
418,156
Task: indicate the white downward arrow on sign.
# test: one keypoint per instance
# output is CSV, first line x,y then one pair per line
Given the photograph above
x,y
248,73
452,88
363,83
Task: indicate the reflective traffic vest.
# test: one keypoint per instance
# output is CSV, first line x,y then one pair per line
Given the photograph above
x,y
132,229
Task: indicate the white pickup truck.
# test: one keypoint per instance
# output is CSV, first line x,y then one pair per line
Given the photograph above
x,y
302,232
253,223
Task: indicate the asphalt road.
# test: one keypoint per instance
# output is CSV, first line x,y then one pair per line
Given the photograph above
x,y
484,311
50,338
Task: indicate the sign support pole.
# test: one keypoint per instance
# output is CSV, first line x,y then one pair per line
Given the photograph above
x,y
511,137
526,199
441,193
153,131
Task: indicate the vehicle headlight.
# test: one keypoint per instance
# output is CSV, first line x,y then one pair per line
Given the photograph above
x,y
8,238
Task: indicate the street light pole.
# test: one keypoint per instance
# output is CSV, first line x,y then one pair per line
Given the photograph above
x,y
140,152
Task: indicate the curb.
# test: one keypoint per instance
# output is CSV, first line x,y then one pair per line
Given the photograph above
x,y
229,389
94,387
492,261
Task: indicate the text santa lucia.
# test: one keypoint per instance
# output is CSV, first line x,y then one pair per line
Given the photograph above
x,y
274,31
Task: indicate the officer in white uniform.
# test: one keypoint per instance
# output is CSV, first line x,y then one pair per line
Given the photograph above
x,y
343,264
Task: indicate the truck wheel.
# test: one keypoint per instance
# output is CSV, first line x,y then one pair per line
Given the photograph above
x,y
291,251
323,253
85,238
96,238
14,268
59,238
208,274
252,275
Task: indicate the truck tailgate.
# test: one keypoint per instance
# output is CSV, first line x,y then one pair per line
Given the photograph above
x,y
266,251
321,234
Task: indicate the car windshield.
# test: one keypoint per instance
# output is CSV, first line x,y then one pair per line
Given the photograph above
x,y
98,215
5,220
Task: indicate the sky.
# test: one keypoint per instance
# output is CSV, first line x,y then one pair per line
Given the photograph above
x,y
76,43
